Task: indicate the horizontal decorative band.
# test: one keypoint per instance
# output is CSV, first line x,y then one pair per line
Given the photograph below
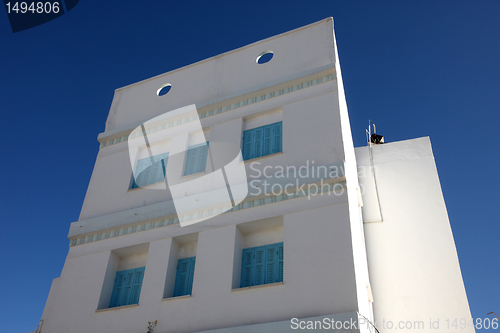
x,y
255,202
232,106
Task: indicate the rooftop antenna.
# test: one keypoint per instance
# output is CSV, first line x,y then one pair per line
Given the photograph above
x,y
369,133
374,139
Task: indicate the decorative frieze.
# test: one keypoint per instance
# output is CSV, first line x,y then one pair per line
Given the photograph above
x,y
172,219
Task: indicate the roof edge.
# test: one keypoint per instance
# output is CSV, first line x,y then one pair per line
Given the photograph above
x,y
228,52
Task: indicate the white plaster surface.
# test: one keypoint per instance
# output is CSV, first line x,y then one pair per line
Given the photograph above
x,y
413,264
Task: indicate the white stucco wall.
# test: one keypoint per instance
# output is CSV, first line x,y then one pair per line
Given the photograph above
x,y
296,54
413,264
311,131
318,278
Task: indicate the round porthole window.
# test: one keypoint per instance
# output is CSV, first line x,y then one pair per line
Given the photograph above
x,y
264,57
164,89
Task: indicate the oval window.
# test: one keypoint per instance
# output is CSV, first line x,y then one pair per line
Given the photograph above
x,y
264,57
163,90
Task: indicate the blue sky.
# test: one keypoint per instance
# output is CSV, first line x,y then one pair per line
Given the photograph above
x,y
416,68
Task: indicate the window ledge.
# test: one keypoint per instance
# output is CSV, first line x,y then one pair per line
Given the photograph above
x,y
144,187
176,297
265,156
259,286
117,308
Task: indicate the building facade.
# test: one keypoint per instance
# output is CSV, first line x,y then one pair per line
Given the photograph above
x,y
311,236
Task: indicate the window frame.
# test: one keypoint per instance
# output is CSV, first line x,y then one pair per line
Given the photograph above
x,y
184,278
262,141
269,270
127,279
152,178
196,153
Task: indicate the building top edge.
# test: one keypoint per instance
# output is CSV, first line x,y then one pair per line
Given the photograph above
x,y
328,19
386,144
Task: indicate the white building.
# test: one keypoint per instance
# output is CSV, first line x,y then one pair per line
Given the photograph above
x,y
377,248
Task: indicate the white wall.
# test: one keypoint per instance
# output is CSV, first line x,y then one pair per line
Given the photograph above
x,y
318,279
325,270
318,141
234,73
413,264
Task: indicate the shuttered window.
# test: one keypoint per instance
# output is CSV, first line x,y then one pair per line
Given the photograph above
x,y
262,141
196,159
262,265
184,277
150,170
127,287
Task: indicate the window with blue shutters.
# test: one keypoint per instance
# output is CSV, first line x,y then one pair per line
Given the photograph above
x,y
196,159
127,287
262,141
184,277
150,170
262,265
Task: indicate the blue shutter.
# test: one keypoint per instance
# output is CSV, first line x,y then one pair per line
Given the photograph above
x,y
247,145
202,158
247,267
280,262
116,295
260,265
190,159
258,138
274,263
164,161
271,263
181,277
150,173
158,169
127,287
190,276
268,140
184,276
196,159
278,137
142,172
134,183
136,284
262,141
